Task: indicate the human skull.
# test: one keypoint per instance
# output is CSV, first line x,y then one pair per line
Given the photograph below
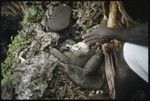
x,y
80,48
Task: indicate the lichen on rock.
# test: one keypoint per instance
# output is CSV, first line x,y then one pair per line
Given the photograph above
x,y
35,74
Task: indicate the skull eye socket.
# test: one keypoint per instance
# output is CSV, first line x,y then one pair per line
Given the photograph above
x,y
77,46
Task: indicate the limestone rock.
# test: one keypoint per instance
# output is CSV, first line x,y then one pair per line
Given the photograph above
x,y
35,73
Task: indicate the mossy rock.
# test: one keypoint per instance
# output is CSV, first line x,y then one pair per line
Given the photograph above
x,y
79,60
71,58
92,82
84,71
18,42
93,64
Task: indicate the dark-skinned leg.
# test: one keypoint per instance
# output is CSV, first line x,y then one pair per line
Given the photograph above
x,y
127,81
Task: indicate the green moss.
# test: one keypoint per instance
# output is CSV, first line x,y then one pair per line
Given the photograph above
x,y
18,42
32,15
6,71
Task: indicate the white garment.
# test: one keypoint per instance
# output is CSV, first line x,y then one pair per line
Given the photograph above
x,y
136,57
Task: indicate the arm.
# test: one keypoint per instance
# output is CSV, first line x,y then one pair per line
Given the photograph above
x,y
136,35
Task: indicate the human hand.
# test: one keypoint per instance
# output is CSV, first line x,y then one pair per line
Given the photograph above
x,y
98,35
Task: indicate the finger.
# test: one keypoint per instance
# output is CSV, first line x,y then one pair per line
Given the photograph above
x,y
91,42
94,47
102,41
89,38
87,35
97,45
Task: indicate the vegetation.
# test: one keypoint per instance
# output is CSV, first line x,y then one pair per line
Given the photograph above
x,y
32,15
18,42
6,71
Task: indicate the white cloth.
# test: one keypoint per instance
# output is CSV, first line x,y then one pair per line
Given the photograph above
x,y
136,57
